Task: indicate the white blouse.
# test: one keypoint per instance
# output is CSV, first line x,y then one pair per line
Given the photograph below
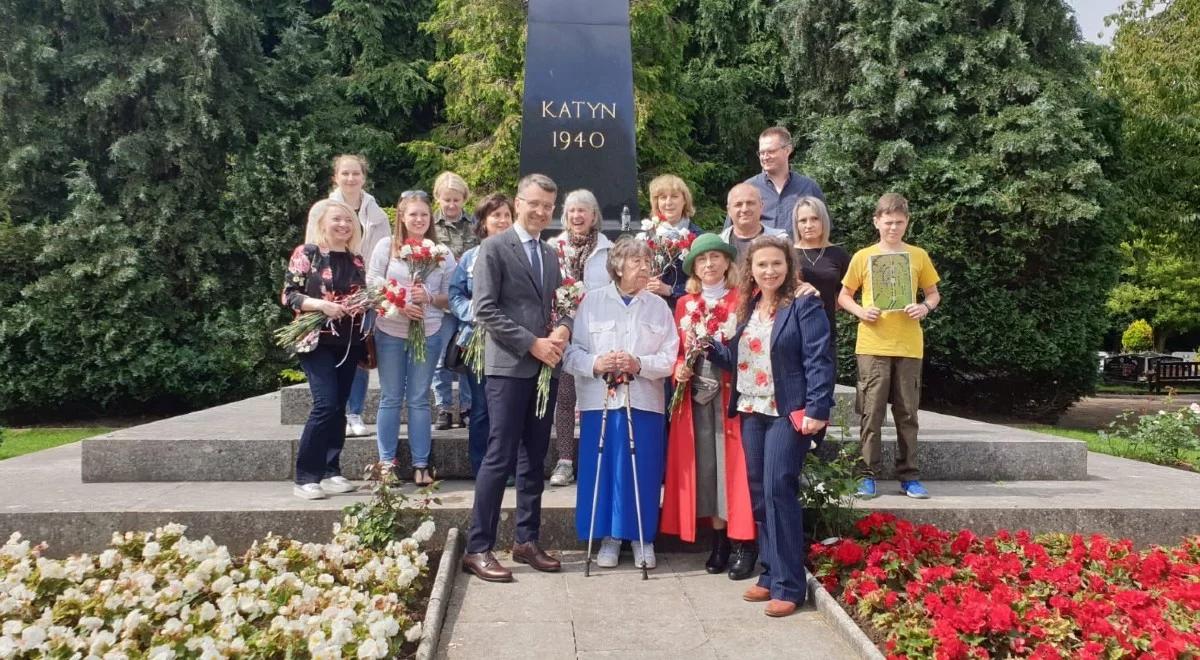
x,y
645,328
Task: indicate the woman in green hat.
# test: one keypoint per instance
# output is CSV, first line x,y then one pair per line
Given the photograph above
x,y
706,468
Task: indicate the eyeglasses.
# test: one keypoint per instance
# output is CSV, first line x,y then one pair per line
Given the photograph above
x,y
545,206
419,194
771,152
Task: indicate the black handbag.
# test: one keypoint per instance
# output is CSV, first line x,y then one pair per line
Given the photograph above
x,y
452,359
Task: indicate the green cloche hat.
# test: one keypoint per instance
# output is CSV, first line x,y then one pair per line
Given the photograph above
x,y
707,243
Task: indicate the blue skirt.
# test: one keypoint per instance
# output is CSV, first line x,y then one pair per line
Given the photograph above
x,y
615,509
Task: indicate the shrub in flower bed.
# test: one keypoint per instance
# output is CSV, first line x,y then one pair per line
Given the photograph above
x,y
930,593
161,595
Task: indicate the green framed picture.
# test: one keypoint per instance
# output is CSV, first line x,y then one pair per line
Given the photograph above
x,y
891,281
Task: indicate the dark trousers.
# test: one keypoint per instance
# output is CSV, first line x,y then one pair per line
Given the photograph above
x,y
324,433
477,432
517,438
774,457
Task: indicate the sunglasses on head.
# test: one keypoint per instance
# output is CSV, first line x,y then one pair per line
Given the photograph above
x,y
419,194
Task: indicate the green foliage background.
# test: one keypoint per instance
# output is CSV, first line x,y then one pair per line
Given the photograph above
x,y
159,155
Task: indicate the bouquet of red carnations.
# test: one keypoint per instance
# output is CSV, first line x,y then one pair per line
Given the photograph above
x,y
392,299
421,256
566,301
665,241
702,324
302,334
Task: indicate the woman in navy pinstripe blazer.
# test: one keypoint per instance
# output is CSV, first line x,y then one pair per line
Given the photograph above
x,y
781,364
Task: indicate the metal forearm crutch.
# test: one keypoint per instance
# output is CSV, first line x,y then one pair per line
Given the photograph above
x,y
587,567
637,497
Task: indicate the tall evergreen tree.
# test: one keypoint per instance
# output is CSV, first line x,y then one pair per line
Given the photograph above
x,y
979,111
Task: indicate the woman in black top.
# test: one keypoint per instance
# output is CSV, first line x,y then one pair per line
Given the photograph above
x,y
822,263
321,272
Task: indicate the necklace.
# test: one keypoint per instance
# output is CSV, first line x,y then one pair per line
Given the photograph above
x,y
812,262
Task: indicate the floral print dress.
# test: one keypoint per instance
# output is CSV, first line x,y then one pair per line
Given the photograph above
x,y
754,381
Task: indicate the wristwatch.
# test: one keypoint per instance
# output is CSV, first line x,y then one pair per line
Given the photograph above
x,y
927,307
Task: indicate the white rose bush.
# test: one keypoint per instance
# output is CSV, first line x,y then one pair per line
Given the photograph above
x,y
161,595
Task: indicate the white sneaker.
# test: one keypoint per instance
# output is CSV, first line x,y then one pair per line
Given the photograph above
x,y
643,552
563,474
309,491
338,484
355,426
610,552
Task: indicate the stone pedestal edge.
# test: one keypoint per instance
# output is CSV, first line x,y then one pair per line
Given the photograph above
x,y
840,621
439,597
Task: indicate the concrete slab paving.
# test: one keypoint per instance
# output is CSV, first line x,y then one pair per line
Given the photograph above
x,y
44,496
614,613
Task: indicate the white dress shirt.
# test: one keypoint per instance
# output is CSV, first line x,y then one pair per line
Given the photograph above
x,y
645,328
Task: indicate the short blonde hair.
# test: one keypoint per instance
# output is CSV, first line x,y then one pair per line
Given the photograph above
x,y
314,233
670,183
625,247
450,182
819,208
732,276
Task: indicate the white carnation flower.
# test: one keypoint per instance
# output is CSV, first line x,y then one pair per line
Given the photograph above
x,y
369,649
413,633
32,637
424,532
151,550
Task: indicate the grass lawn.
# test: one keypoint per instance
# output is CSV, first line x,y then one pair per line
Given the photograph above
x,y
18,442
1112,447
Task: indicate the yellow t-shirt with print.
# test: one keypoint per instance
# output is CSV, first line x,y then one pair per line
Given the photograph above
x,y
893,334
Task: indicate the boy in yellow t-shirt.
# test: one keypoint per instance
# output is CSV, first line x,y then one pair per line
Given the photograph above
x,y
890,344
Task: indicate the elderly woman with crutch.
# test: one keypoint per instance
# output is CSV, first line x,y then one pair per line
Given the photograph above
x,y
621,353
783,391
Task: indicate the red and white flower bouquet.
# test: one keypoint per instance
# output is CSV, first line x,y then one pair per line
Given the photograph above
x,y
566,300
702,324
422,256
665,241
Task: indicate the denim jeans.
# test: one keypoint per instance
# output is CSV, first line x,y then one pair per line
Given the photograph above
x,y
443,378
324,433
477,433
358,391
403,380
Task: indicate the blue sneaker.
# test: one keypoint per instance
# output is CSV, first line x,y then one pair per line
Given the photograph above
x,y
914,489
866,489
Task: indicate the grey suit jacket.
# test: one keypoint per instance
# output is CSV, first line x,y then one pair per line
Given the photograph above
x,y
508,304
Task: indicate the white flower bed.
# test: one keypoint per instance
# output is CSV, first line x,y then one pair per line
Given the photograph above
x,y
161,595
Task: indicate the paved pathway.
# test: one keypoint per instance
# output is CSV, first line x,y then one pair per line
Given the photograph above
x,y
680,612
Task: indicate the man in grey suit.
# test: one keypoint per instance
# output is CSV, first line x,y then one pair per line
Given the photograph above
x,y
516,275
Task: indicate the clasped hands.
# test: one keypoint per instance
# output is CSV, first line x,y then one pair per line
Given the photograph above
x,y
549,350
616,362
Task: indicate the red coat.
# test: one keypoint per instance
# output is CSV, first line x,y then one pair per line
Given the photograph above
x,y
679,492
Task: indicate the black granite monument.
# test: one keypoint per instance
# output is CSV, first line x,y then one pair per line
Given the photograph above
x,y
577,124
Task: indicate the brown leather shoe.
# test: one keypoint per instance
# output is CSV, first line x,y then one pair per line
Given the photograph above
x,y
530,553
778,608
486,567
756,594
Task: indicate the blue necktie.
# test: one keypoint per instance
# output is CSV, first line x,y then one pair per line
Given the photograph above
x,y
535,258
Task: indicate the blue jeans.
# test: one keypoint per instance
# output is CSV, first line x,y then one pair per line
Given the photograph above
x,y
358,391
477,433
403,380
443,379
324,434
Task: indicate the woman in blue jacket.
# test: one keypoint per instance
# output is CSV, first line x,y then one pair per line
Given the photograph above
x,y
781,365
493,215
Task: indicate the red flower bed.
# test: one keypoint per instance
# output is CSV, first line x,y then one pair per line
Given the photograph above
x,y
936,594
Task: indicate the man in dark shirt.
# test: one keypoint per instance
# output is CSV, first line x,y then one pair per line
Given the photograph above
x,y
777,184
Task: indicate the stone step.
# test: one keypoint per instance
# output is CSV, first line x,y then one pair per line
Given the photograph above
x,y
295,401
45,498
242,441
